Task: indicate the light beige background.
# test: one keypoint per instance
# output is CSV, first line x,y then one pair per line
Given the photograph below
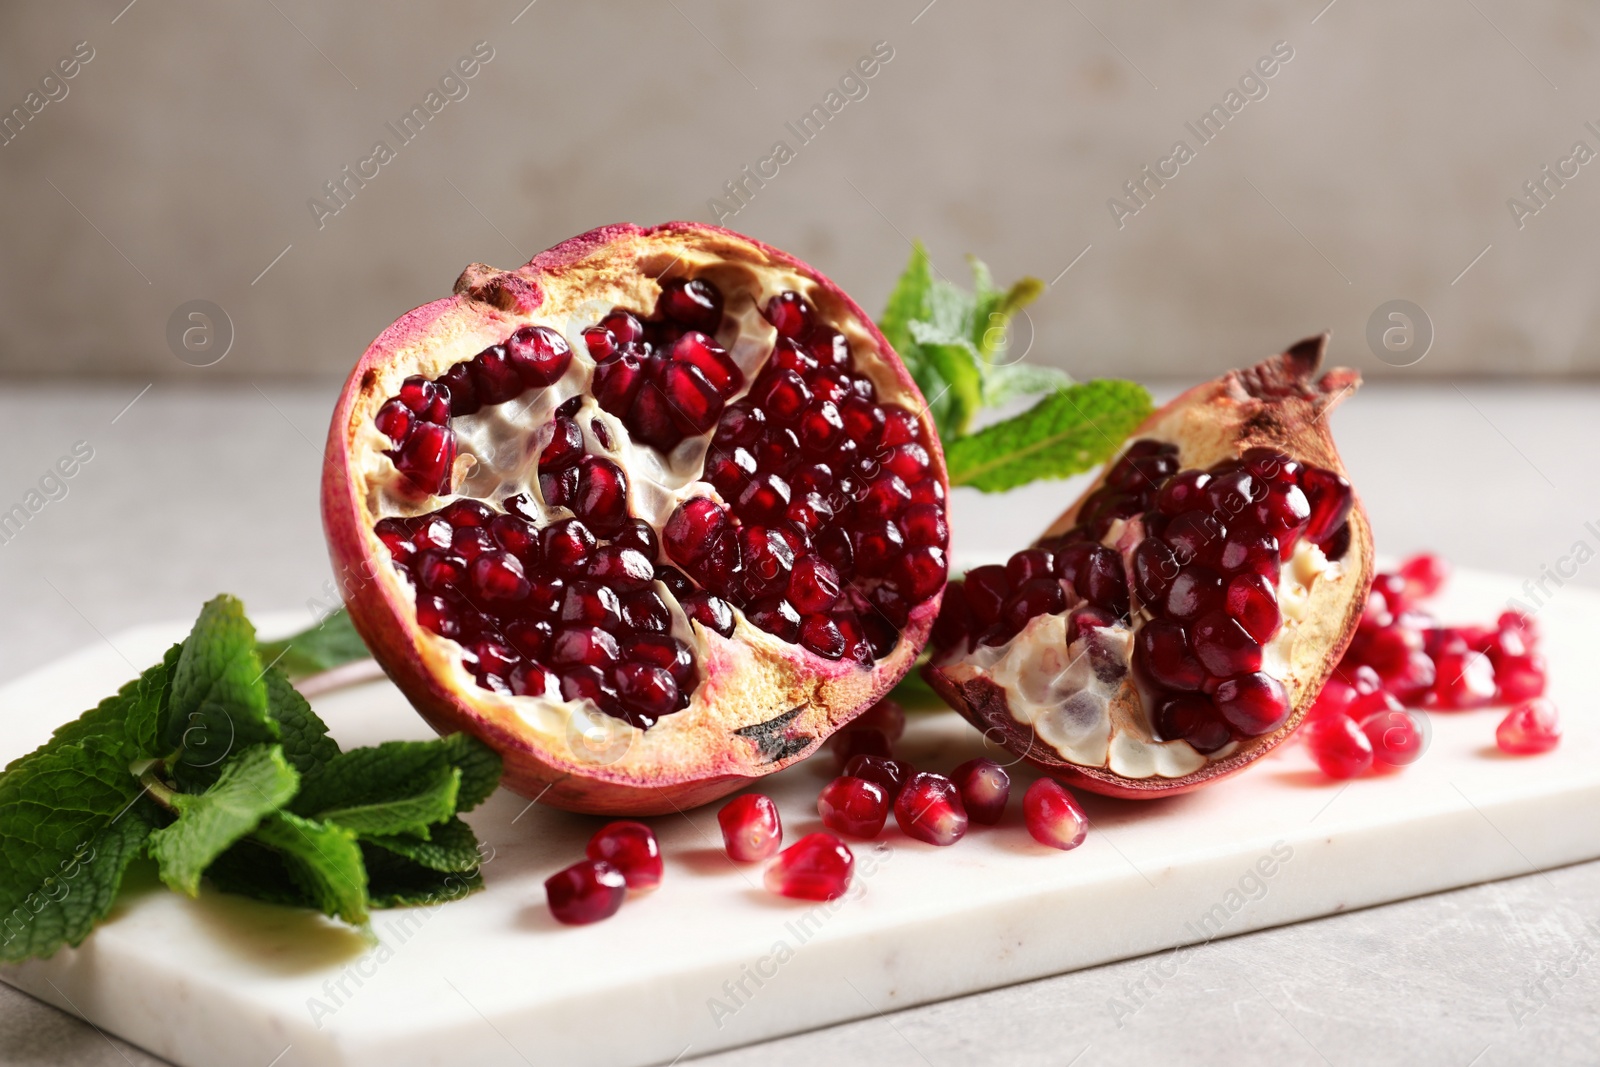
x,y
180,163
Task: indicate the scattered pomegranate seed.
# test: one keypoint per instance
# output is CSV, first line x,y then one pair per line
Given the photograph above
x,y
985,787
1398,737
751,830
853,806
852,742
586,892
1340,747
631,848
1053,815
816,867
891,774
929,809
1529,728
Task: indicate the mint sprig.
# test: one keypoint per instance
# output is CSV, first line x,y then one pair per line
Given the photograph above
x,y
955,344
214,767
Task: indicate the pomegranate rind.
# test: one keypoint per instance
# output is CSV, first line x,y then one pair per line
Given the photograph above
x,y
1279,403
688,758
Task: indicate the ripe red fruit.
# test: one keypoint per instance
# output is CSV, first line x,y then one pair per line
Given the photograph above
x,y
929,809
1398,737
1053,815
751,830
853,806
1531,727
985,787
819,513
1339,746
816,867
631,848
586,892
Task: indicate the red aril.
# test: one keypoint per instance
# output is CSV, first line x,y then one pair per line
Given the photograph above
x,y
751,829
1398,737
631,848
816,867
586,892
1529,728
890,774
985,787
1339,746
1053,815
853,806
929,809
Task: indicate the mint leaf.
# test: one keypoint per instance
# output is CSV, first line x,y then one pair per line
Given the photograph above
x,y
322,861
413,808
908,303
399,882
1003,383
398,786
1067,432
951,380
306,744
329,644
133,716
479,765
452,846
253,784
219,697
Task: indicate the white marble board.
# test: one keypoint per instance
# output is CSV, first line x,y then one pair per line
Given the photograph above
x,y
711,960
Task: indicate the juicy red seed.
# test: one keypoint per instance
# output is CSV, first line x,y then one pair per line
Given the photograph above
x,y
545,594
517,536
569,407
765,499
1530,728
1398,737
786,396
567,545
529,680
645,612
922,571
986,589
924,524
889,774
631,848
1465,680
768,558
463,394
693,302
583,646
1154,568
417,393
751,830
427,457
499,576
820,634
627,570
495,658
900,426
539,354
565,447
1041,596
437,616
1224,647
694,402
1340,747
777,617
559,489
909,461
1253,704
638,534
617,382
1053,815
1192,717
820,427
1183,492
602,497
741,424
693,528
829,348
624,326
1330,498
586,892
711,360
394,419
438,571
589,604
709,611
467,513
600,342
1084,619
929,809
1196,535
813,585
853,806
863,421
789,314
1253,603
1196,590
589,683
808,514
493,376
857,646
1424,575
885,498
1029,564
646,690
1284,510
1519,678
877,545
1161,653
817,867
985,787
530,637
662,651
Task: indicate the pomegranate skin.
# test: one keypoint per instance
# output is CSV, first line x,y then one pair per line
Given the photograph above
x,y
786,699
1280,403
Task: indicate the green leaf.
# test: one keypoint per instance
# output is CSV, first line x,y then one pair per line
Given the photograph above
x,y
452,846
252,869
400,882
1005,382
480,768
306,743
133,716
908,303
424,803
913,693
329,644
1067,432
219,697
322,860
375,788
253,784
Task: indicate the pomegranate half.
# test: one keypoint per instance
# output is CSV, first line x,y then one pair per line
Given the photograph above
x,y
652,515
1178,621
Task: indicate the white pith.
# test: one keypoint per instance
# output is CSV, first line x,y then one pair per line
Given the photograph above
x,y
498,450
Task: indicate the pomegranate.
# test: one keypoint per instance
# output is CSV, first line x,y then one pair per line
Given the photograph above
x,y
1529,728
854,806
652,515
585,892
1053,815
816,867
631,848
1179,620
985,788
929,809
751,829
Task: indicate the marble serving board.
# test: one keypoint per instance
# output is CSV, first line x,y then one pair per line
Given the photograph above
x,y
711,960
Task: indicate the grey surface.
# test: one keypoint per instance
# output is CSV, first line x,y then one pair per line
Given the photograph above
x,y
192,492
1377,166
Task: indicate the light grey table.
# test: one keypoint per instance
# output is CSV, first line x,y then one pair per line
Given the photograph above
x,y
191,492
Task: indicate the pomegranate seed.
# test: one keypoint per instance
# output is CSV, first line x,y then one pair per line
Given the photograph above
x,y
1029,564
567,545
647,691
463,394
394,420
751,830
900,427
929,809
816,867
470,542
529,680
600,342
853,806
855,741
1184,492
1053,815
586,892
1465,680
1161,653
1529,728
427,457
1224,647
789,314
624,326
1331,499
764,499
1195,591
539,355
709,611
589,683
821,635
1192,717
437,616
1398,737
589,604
921,572
886,716
1253,704
499,576
889,774
985,787
1519,678
1340,747
530,637
626,570
1424,574
439,572
618,381
583,646
631,848
693,302
885,498
1253,603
